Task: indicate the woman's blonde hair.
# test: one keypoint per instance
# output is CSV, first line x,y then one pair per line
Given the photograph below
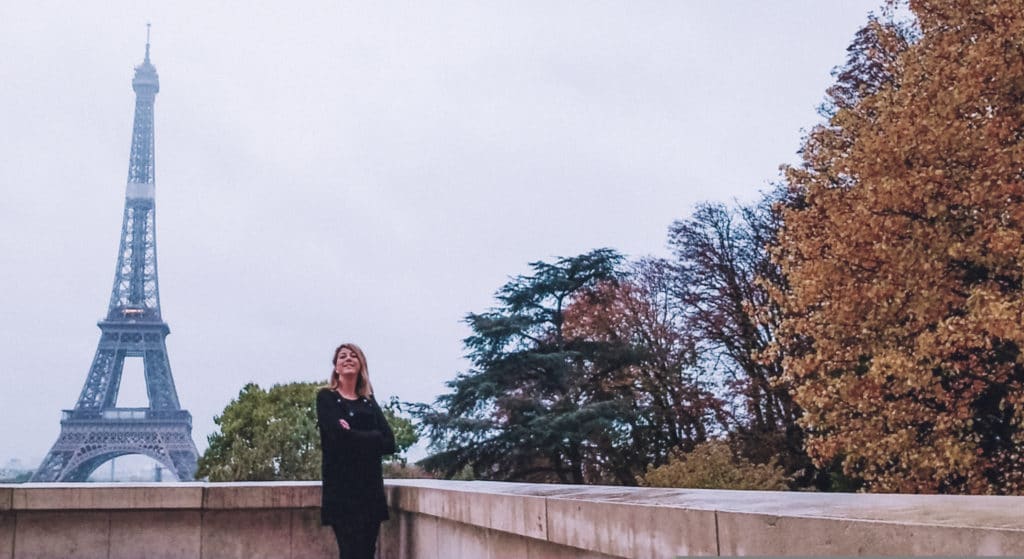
x,y
363,386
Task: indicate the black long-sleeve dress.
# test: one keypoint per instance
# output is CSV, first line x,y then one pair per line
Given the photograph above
x,y
353,484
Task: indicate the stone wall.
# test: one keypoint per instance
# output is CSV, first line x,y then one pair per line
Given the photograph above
x,y
163,520
487,519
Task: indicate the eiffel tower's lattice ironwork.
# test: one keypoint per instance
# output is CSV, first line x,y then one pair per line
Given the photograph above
x,y
96,430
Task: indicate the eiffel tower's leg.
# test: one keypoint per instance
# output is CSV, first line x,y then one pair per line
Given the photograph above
x,y
104,375
101,386
159,382
54,465
183,454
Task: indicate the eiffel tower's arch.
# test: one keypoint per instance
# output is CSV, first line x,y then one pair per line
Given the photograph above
x,y
91,464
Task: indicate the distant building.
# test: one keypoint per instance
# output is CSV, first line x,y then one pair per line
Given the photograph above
x,y
15,471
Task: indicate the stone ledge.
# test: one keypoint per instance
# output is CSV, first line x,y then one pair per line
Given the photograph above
x,y
760,534
158,496
261,495
495,519
631,530
523,515
105,496
645,522
965,511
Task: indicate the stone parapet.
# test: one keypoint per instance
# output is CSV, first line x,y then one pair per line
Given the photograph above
x,y
163,520
433,518
593,521
105,496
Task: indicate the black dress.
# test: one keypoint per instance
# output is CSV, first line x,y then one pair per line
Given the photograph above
x,y
353,484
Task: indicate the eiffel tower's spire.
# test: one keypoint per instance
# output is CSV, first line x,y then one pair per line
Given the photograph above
x,y
136,294
146,84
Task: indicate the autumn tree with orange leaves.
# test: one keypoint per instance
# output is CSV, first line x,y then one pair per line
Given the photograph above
x,y
903,248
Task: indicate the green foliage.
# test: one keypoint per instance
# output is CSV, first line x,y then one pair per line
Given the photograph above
x,y
271,435
403,429
528,410
713,465
265,435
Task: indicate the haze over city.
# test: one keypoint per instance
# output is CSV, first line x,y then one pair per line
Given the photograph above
x,y
366,172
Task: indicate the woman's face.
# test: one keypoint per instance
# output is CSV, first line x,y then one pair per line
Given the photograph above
x,y
347,363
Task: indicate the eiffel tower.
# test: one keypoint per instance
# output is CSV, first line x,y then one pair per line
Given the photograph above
x,y
96,431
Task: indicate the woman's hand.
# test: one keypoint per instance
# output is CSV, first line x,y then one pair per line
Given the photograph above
x,y
344,424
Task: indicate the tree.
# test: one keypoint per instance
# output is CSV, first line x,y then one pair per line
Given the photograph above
x,y
722,275
271,435
527,410
405,436
872,62
672,406
903,248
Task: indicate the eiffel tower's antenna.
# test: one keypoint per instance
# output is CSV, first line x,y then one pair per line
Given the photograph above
x,y
148,25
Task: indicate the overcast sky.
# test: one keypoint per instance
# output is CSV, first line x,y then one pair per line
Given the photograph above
x,y
365,171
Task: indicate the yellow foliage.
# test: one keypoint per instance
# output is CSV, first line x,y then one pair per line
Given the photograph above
x,y
712,465
903,248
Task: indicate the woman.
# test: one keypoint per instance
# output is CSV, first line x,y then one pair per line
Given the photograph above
x,y
354,436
